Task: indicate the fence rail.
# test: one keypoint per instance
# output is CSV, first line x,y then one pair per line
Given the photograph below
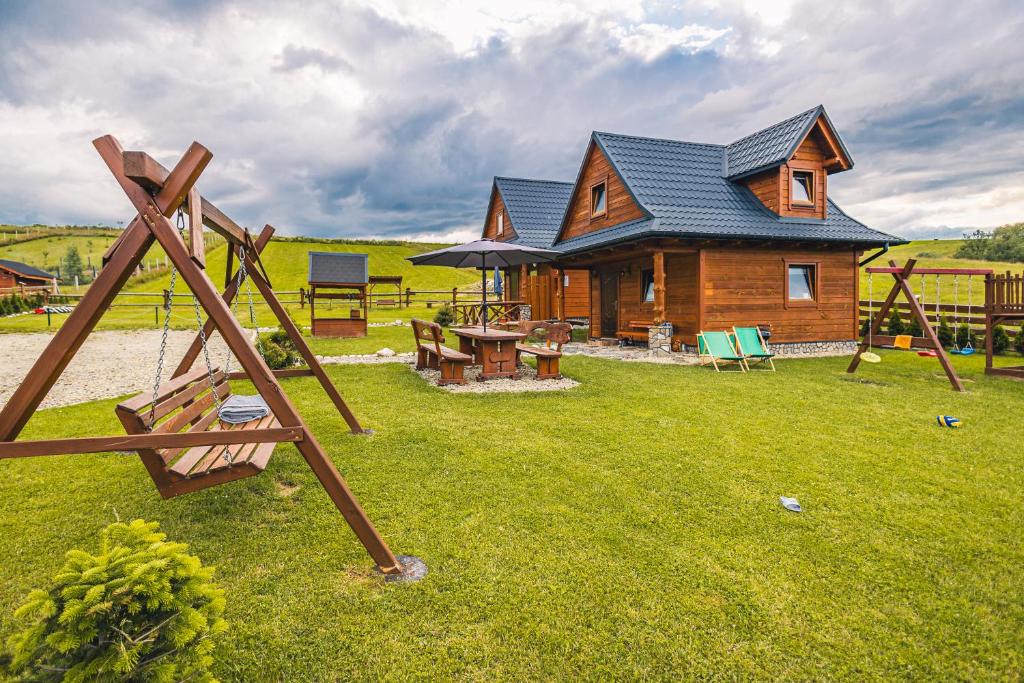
x,y
472,313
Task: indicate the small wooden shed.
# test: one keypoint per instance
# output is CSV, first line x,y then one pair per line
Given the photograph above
x,y
340,280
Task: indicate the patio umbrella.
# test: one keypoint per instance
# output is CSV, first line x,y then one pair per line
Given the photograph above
x,y
484,254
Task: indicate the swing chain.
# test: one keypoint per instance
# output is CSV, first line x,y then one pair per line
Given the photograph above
x,y
243,277
168,301
871,305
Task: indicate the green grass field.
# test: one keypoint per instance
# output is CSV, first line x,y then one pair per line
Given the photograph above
x,y
629,528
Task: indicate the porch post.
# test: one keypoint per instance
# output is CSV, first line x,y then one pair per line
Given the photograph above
x,y
659,287
524,276
559,275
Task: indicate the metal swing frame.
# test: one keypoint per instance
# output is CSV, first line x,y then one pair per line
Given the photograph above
x,y
157,194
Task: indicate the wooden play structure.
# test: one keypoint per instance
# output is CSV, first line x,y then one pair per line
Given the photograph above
x,y
377,298
344,278
901,285
178,429
1004,303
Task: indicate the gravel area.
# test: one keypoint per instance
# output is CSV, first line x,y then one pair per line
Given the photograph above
x,y
527,382
111,363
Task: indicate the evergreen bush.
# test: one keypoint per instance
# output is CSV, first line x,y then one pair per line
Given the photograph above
x,y
944,332
142,609
1018,341
278,350
895,323
444,316
913,328
964,333
1000,340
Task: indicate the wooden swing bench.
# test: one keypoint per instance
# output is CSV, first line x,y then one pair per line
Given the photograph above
x,y
186,405
176,429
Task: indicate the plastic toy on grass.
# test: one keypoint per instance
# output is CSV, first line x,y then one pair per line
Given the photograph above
x,y
948,421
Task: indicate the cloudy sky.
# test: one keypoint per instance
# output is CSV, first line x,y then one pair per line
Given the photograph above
x,y
389,118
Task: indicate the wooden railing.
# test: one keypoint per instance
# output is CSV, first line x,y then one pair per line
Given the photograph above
x,y
497,311
1006,292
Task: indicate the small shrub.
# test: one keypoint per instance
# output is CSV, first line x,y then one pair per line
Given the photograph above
x,y
965,334
944,332
895,323
865,326
913,327
1018,341
142,609
3,306
444,316
1000,340
278,350
580,334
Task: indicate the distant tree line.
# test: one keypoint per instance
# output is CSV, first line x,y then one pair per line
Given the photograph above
x,y
1005,243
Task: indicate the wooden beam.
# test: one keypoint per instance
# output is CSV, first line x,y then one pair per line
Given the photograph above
x,y
152,175
134,442
196,244
659,287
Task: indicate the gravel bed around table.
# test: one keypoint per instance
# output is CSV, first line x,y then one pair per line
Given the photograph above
x,y
110,363
527,382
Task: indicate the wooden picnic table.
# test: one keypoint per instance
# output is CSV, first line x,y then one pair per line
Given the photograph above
x,y
494,350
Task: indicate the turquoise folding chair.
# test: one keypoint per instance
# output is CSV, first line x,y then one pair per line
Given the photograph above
x,y
751,345
717,347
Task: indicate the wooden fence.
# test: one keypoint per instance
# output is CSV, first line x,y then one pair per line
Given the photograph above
x,y
974,316
472,313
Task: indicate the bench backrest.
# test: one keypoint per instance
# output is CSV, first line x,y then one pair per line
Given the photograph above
x,y
556,333
429,332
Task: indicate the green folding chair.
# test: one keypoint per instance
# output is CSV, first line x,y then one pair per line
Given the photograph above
x,y
717,347
751,345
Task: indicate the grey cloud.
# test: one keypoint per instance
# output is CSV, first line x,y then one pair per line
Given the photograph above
x,y
294,57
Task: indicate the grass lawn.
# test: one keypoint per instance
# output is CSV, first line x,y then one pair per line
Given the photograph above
x,y
628,528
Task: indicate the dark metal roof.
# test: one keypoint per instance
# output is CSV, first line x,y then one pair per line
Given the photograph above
x,y
775,144
330,266
25,269
535,208
681,187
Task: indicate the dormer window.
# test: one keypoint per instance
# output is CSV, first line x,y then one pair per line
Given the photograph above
x,y
598,199
501,223
802,188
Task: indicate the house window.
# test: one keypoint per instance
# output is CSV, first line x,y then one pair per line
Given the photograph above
x,y
802,187
501,223
801,284
646,286
598,199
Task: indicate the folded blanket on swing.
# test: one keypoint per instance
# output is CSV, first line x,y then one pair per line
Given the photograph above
x,y
238,409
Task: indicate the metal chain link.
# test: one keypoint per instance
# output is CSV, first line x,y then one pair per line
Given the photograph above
x,y
163,347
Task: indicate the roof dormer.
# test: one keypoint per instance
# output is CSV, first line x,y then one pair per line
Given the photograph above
x,y
786,165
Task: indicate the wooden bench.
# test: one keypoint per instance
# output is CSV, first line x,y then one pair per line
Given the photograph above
x,y
431,354
637,330
385,302
547,357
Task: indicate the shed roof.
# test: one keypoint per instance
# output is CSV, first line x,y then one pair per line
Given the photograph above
x,y
25,269
338,267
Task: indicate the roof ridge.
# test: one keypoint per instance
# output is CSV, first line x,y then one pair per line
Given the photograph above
x,y
644,137
533,180
776,124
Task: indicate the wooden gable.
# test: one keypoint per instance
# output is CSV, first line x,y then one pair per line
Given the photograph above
x,y
818,154
621,207
497,208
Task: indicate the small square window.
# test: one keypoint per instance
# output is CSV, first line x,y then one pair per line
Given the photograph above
x,y
801,283
598,200
803,187
646,286
501,223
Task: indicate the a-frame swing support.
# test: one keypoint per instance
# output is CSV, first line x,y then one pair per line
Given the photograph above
x,y
901,275
157,195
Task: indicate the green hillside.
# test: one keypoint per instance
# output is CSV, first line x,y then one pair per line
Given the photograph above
x,y
934,254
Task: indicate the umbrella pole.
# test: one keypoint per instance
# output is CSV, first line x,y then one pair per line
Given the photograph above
x,y
483,281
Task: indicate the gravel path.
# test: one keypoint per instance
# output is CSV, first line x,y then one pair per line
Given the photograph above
x,y
109,364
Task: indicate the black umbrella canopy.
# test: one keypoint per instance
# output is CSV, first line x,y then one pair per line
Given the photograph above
x,y
484,253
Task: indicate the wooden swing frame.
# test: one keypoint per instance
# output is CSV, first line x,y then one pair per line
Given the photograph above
x,y
156,195
901,275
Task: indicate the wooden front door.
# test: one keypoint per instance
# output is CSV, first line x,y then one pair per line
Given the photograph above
x,y
609,302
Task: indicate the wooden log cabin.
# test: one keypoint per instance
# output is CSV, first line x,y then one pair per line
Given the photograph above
x,y
695,236
15,276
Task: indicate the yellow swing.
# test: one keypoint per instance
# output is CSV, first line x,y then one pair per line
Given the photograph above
x,y
870,356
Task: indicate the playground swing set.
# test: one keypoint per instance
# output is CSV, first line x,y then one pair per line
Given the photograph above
x,y
930,341
181,430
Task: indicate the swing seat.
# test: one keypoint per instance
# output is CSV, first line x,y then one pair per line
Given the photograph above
x,y
186,404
